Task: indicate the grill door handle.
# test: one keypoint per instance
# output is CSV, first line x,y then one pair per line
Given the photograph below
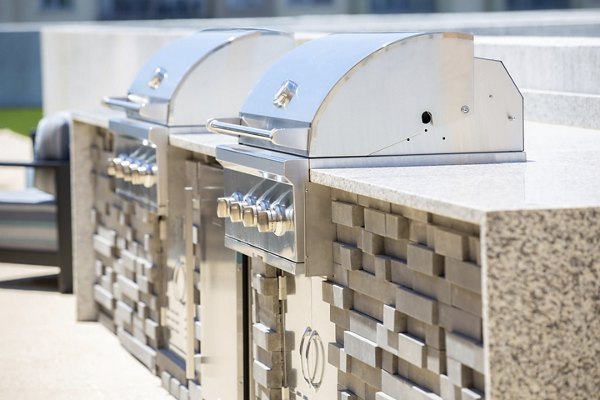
x,y
122,103
227,128
304,355
295,138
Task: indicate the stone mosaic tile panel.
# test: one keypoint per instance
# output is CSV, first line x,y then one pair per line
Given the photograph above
x,y
267,331
128,252
405,297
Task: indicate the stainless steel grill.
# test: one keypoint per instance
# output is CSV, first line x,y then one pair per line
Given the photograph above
x,y
207,73
358,100
347,100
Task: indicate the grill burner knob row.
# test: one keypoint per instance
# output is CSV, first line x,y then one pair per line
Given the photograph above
x,y
133,170
276,218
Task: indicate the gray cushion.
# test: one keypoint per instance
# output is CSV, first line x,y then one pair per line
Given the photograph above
x,y
52,138
28,220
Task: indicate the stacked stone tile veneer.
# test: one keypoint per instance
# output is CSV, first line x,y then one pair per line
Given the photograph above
x,y
405,297
127,257
267,330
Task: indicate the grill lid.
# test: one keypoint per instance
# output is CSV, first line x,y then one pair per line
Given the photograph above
x,y
298,85
381,94
194,77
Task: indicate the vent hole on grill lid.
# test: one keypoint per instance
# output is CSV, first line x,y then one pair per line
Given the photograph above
x,y
426,117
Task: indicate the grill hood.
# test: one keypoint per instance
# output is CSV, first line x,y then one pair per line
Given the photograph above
x,y
209,72
381,94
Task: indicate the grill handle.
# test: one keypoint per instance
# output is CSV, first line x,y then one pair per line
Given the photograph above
x,y
294,138
227,128
121,103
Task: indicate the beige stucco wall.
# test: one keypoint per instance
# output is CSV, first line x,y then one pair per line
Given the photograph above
x,y
81,64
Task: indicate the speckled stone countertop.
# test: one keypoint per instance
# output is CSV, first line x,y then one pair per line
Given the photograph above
x,y
204,143
562,170
99,117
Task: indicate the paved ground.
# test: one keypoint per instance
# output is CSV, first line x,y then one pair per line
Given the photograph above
x,y
46,354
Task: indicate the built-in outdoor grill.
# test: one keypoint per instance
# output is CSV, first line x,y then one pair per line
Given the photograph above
x,y
205,74
178,89
345,100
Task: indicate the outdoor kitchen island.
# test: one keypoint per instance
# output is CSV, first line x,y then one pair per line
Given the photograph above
x,y
406,286
530,232
356,282
466,281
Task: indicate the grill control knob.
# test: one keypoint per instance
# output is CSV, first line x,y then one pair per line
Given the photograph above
x,y
125,169
141,173
263,221
224,204
136,177
285,221
235,211
277,220
249,214
222,207
127,174
150,177
110,166
119,166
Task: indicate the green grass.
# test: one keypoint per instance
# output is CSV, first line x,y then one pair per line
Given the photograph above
x,y
20,120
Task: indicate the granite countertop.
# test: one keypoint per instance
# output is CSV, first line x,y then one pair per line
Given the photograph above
x,y
204,143
562,171
99,117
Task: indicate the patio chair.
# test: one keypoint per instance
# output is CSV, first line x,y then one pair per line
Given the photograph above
x,y
35,225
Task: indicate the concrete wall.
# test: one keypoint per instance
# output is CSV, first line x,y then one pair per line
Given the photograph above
x,y
86,62
82,64
20,74
557,76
